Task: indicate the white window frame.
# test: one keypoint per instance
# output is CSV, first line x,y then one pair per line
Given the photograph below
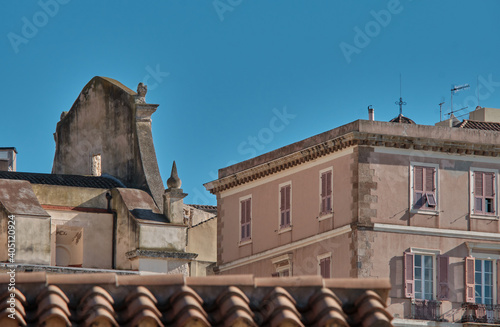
x,y
323,256
472,214
243,198
486,251
282,263
287,228
434,211
434,254
330,214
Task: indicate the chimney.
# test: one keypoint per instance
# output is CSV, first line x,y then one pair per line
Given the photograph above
x,y
8,159
173,204
371,113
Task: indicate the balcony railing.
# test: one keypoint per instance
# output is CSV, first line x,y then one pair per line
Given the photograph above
x,y
485,313
426,310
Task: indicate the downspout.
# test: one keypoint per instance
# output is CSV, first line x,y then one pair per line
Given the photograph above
x,y
113,242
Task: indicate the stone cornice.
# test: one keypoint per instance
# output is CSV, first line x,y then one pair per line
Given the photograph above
x,y
347,140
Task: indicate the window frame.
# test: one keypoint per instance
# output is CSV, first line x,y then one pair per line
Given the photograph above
x,y
472,183
322,257
282,264
325,215
435,254
284,228
483,251
240,201
424,210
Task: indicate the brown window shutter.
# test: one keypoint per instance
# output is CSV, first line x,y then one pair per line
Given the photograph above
x,y
443,287
469,279
418,179
489,184
409,275
287,197
478,184
429,179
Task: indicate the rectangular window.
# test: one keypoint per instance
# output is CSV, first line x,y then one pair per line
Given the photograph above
x,y
483,277
285,206
483,192
420,273
246,219
324,266
424,271
326,192
424,187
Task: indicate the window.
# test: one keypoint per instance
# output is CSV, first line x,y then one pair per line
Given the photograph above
x,y
245,219
421,273
96,165
282,265
325,265
483,192
424,187
69,246
326,191
479,280
285,205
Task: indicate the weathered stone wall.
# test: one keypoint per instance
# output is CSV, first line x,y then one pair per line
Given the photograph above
x,y
106,120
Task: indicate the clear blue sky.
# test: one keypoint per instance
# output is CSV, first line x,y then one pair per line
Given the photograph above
x,y
238,78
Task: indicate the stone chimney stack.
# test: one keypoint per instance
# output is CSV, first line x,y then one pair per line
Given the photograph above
x,y
173,204
371,113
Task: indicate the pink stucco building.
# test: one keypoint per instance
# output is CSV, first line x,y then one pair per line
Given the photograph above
x,y
413,203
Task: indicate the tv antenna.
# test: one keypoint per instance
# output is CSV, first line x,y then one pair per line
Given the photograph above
x,y
401,103
455,89
441,111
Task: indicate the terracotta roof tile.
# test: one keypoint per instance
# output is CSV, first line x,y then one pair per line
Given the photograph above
x,y
486,126
174,300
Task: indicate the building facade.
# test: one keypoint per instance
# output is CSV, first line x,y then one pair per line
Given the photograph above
x,y
104,206
370,199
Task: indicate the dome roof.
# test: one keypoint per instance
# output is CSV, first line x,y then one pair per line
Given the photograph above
x,y
402,120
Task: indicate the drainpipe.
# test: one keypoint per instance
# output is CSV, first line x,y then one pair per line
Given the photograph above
x,y
113,242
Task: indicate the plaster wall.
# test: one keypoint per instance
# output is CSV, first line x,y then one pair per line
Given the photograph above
x,y
163,237
97,236
71,196
33,237
393,192
305,207
202,239
305,261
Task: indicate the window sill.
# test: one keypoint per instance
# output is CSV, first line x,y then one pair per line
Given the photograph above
x,y
323,216
285,229
425,212
487,217
245,242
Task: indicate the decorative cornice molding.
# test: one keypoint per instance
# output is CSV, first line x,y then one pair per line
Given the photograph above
x,y
349,140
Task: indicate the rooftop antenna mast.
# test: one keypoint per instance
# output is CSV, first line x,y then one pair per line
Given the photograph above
x,y
441,111
401,103
455,89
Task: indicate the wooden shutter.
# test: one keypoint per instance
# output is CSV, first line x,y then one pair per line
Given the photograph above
x,y
282,206
243,219
327,267
498,282
469,279
409,277
443,287
478,192
287,205
246,216
489,190
329,191
323,192
249,217
429,179
418,186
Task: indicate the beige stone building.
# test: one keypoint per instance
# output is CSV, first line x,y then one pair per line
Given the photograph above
x,y
413,203
104,205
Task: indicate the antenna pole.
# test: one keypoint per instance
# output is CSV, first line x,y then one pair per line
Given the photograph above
x,y
441,111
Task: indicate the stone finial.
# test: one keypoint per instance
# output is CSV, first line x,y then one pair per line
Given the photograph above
x,y
174,181
141,93
142,89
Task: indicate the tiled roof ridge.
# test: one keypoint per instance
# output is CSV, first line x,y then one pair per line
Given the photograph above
x,y
204,207
63,179
479,125
204,221
176,300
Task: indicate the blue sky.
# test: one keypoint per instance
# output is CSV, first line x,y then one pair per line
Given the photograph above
x,y
238,78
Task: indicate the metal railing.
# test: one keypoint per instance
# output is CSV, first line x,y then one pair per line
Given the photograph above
x,y
485,313
426,310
